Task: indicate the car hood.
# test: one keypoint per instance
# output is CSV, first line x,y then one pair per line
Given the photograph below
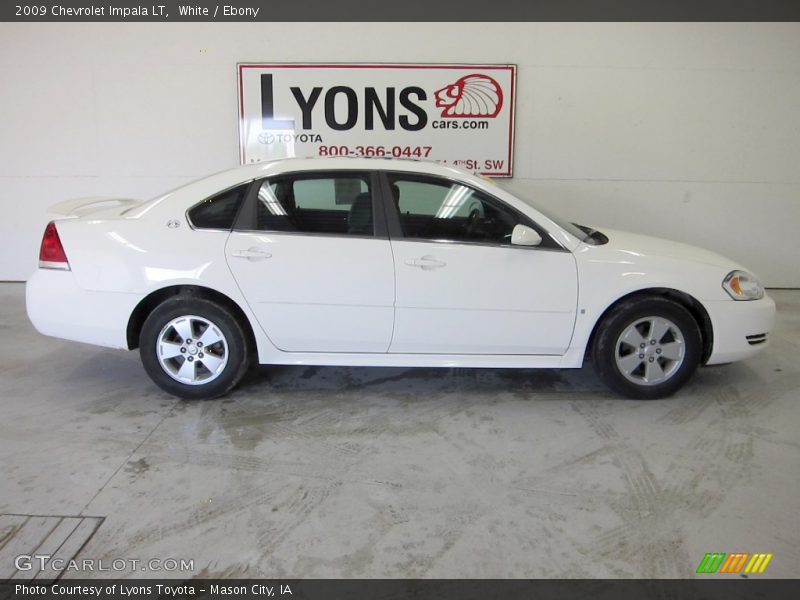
x,y
637,245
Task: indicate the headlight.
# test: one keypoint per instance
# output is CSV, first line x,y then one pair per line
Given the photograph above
x,y
741,285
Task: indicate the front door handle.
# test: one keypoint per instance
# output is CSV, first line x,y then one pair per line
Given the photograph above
x,y
426,263
251,254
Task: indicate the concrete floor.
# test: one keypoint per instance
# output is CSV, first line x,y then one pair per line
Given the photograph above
x,y
356,472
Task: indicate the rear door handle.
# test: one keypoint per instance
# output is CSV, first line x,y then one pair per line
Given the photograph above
x,y
426,263
251,254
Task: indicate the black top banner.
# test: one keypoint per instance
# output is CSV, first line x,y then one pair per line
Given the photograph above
x,y
404,10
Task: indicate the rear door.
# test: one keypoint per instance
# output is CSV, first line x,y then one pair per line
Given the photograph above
x,y
314,262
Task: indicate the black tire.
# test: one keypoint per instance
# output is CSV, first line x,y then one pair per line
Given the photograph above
x,y
639,316
231,353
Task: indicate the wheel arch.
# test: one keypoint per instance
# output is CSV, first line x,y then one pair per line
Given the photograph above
x,y
690,303
155,298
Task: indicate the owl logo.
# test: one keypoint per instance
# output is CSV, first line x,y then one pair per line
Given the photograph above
x,y
471,96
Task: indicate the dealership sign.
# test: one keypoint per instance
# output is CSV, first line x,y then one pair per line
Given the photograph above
x,y
454,114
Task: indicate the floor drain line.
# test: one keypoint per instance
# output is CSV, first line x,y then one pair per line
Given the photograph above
x,y
40,547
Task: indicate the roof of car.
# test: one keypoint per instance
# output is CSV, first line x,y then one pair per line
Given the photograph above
x,y
325,163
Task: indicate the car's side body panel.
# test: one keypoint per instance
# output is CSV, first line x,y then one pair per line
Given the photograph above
x,y
631,263
117,262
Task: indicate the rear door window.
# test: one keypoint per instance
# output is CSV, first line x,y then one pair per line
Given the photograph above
x,y
335,203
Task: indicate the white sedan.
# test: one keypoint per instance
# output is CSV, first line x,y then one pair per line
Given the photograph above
x,y
382,262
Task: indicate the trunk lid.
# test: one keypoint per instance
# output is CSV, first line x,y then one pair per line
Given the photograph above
x,y
96,205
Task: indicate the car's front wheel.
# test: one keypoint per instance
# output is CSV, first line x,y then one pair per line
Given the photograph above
x,y
647,348
193,348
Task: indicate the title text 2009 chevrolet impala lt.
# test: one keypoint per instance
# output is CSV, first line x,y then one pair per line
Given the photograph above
x,y
382,262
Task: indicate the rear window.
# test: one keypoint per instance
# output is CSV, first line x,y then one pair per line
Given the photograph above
x,y
218,212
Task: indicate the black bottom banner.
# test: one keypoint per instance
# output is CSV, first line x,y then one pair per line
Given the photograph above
x,y
391,589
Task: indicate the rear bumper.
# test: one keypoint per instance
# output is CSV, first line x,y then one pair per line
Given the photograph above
x,y
740,328
59,308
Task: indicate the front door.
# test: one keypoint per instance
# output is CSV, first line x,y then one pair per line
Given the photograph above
x,y
462,288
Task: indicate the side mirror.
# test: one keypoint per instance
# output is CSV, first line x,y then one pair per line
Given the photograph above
x,y
522,235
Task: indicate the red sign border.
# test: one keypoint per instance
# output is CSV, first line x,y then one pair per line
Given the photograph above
x,y
491,67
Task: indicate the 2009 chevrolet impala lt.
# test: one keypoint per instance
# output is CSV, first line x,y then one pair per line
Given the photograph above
x,y
382,262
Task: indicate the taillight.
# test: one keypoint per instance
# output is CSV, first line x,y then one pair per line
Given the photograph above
x,y
51,254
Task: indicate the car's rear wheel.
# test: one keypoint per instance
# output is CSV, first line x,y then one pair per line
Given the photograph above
x,y
647,348
193,348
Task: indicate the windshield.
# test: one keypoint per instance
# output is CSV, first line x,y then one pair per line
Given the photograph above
x,y
583,234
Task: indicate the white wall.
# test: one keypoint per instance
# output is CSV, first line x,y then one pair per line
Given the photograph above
x,y
686,131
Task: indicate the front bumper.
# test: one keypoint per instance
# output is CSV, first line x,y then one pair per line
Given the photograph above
x,y
741,329
58,307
